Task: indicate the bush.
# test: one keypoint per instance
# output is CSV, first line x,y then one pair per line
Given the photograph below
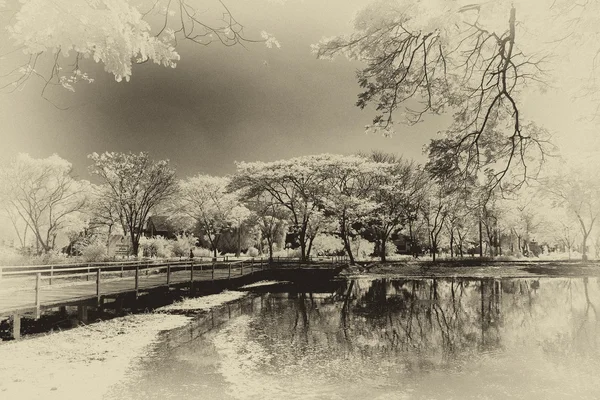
x,y
182,245
93,252
292,253
363,249
11,256
202,252
252,252
327,245
155,247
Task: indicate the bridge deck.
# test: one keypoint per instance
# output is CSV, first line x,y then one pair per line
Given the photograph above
x,y
32,291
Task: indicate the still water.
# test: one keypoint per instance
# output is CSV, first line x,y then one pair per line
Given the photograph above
x,y
387,339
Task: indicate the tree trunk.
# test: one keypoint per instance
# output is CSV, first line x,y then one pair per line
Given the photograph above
x,y
382,249
451,243
480,239
309,248
348,249
238,250
135,245
303,244
584,255
270,241
346,240
108,240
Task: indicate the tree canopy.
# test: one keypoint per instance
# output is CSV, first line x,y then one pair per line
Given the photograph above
x,y
52,40
477,61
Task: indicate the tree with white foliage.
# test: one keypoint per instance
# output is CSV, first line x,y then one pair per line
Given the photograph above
x,y
52,40
477,61
135,187
435,212
347,182
574,186
398,193
293,183
203,200
269,216
45,197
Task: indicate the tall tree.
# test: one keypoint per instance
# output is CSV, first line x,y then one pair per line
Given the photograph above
x,y
572,183
580,197
270,217
347,182
434,213
478,62
205,200
295,184
398,194
44,195
136,186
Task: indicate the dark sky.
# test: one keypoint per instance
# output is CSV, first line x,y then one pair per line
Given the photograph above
x,y
219,105
225,104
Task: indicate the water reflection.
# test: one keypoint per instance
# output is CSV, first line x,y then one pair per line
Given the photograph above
x,y
389,338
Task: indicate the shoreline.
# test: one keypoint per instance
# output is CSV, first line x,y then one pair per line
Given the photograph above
x,y
86,361
474,268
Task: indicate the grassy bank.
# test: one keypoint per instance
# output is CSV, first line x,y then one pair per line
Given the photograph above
x,y
476,267
84,362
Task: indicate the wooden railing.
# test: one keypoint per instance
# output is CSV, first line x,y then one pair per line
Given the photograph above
x,y
53,276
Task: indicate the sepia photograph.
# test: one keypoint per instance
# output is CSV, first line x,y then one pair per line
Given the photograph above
x,y
299,199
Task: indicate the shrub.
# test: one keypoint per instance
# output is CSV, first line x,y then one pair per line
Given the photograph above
x,y
155,247
93,252
363,249
202,252
327,245
11,256
252,252
293,253
182,245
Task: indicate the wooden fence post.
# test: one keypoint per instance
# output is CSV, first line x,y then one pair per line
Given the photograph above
x,y
38,300
191,275
121,270
229,276
137,280
168,275
98,285
16,326
51,274
213,271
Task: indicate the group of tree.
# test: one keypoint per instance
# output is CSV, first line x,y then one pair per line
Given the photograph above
x,y
377,198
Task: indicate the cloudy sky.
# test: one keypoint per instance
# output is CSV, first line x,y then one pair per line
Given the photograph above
x,y
219,105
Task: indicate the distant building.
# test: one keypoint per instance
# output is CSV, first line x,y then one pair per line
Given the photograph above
x,y
159,225
402,242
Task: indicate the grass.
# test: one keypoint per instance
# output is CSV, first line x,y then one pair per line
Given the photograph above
x,y
86,361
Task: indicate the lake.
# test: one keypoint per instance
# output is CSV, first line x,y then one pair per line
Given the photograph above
x,y
386,339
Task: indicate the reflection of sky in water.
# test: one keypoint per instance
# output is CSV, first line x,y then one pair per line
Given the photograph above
x,y
396,339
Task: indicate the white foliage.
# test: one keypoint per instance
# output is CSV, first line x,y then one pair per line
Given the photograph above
x,y
108,31
270,40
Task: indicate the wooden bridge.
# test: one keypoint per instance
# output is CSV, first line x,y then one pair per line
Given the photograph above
x,y
31,290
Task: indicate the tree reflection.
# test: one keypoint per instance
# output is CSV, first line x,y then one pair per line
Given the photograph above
x,y
423,324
